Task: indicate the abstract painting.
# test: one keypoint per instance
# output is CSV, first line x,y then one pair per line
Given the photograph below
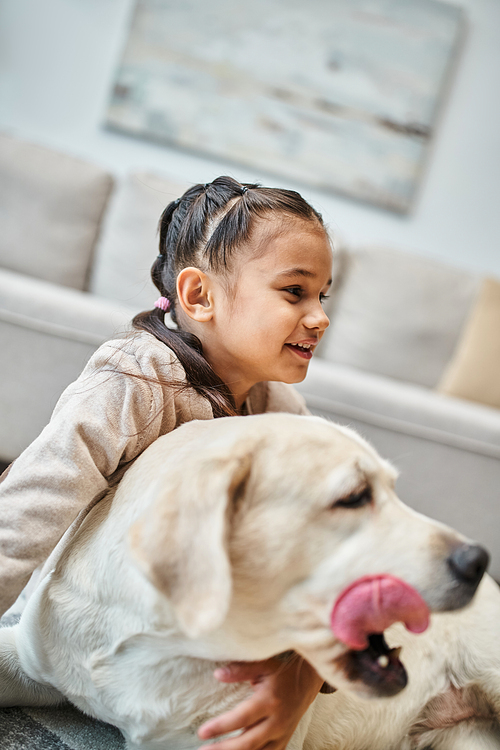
x,y
342,95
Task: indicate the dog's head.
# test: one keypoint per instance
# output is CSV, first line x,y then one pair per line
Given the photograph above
x,y
279,532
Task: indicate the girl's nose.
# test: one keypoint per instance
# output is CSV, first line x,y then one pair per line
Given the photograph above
x,y
317,318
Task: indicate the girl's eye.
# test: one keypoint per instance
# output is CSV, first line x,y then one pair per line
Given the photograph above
x,y
356,500
297,291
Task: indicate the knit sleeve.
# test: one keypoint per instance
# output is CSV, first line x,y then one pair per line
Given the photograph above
x,y
101,422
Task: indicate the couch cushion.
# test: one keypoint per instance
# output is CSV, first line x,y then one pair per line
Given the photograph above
x,y
50,210
398,314
474,371
129,241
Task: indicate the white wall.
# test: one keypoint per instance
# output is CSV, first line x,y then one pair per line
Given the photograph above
x,y
57,60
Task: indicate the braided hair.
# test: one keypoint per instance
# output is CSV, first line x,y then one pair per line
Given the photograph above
x,y
204,228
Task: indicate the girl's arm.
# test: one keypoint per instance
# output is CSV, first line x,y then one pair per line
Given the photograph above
x,y
283,691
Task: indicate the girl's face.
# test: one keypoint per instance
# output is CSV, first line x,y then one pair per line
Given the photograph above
x,y
268,324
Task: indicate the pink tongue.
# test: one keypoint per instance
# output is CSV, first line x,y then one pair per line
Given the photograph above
x,y
373,603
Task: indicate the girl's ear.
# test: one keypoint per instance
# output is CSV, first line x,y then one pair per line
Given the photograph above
x,y
194,293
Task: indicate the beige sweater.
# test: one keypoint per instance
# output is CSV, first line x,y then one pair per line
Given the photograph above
x,y
101,423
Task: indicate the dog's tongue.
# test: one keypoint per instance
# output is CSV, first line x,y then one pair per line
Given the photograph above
x,y
371,604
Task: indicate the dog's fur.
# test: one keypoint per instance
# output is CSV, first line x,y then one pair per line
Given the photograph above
x,y
224,542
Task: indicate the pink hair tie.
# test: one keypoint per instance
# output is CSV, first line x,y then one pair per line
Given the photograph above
x,y
163,303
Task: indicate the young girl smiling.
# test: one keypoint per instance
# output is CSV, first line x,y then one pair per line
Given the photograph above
x,y
243,271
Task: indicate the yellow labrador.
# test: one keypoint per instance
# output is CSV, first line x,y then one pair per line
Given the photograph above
x,y
241,538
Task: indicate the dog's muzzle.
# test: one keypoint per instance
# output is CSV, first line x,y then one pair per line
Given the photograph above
x,y
366,608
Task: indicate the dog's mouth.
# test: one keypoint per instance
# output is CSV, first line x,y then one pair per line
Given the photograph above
x,y
359,617
377,667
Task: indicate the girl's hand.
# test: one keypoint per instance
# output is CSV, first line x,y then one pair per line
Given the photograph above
x,y
282,693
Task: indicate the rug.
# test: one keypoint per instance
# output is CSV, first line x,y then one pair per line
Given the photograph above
x,y
60,728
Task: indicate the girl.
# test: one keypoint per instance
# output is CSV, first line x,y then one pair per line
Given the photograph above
x,y
242,270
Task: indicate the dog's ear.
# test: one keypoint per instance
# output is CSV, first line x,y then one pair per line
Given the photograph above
x,y
181,541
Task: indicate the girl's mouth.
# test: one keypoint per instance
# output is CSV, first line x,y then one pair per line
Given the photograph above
x,y
303,350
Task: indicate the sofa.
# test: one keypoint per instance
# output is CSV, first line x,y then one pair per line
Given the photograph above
x,y
75,251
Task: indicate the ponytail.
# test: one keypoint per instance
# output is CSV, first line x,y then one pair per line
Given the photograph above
x,y
189,351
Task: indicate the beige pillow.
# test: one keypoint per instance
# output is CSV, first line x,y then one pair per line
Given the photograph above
x,y
129,241
50,211
474,371
398,314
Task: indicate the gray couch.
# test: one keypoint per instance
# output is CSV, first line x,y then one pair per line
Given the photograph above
x,y
74,268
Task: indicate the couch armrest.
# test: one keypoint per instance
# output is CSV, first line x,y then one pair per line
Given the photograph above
x,y
446,449
47,334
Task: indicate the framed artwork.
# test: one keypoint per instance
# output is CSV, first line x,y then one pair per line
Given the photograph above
x,y
339,94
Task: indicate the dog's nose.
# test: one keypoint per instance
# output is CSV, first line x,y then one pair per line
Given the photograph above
x,y
469,562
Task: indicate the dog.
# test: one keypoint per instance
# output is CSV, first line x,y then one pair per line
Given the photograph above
x,y
245,537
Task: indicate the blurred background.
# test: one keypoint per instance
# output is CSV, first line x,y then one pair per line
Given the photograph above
x,y
58,64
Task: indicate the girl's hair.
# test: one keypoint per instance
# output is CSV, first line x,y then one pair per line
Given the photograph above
x,y
204,228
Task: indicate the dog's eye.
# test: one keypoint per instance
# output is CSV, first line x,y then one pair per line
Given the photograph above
x,y
356,500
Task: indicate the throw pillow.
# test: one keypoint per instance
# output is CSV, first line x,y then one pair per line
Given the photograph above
x,y
474,371
50,211
129,241
398,314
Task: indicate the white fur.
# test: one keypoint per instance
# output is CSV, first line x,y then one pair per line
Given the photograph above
x,y
223,543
